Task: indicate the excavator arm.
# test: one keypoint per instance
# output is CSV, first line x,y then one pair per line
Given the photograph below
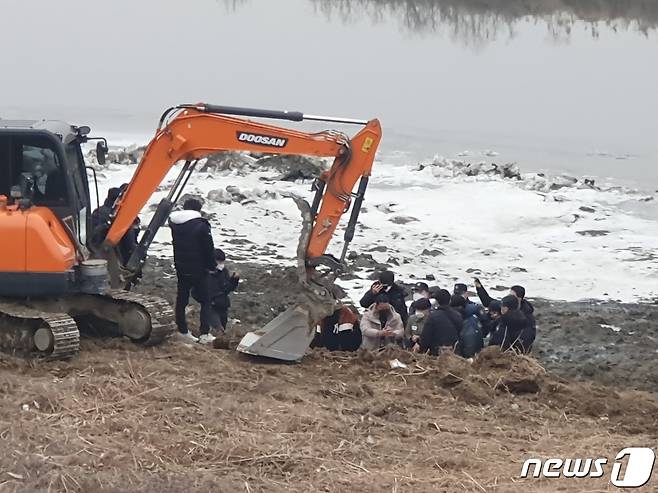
x,y
189,133
199,130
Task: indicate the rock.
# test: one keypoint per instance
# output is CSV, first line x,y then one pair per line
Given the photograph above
x,y
127,155
235,193
432,253
430,277
587,209
388,208
378,248
219,195
229,161
293,168
187,196
519,269
593,232
403,219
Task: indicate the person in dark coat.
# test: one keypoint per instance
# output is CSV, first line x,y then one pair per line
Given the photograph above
x,y
102,217
471,340
339,331
194,258
518,292
491,319
101,220
396,295
514,329
458,303
441,329
221,283
461,289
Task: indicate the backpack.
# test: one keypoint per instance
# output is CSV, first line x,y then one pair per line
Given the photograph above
x,y
471,341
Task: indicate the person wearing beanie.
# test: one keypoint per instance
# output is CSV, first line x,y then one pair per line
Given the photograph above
x,y
514,330
415,324
381,324
386,285
441,329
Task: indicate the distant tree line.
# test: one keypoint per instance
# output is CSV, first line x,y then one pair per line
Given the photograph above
x,y
484,19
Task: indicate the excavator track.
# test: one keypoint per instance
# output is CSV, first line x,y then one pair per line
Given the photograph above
x,y
30,333
159,312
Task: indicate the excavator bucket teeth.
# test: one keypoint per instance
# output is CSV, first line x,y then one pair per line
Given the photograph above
x,y
285,338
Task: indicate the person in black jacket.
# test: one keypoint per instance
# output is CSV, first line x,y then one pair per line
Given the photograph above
x,y
514,329
492,318
441,329
517,292
221,283
396,295
101,219
194,257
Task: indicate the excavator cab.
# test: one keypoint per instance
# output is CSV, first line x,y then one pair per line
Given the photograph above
x,y
43,161
42,174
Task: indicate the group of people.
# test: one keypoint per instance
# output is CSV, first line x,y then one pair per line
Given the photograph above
x,y
436,320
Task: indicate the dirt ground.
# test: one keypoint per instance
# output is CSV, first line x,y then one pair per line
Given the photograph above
x,y
121,418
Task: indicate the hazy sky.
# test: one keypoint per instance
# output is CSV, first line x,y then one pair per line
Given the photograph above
x,y
117,67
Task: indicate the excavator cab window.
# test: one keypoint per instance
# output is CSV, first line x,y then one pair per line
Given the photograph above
x,y
48,174
41,176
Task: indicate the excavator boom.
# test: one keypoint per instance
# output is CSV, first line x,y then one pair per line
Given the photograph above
x,y
189,133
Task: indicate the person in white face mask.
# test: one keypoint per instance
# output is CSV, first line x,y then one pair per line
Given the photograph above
x,y
416,322
421,291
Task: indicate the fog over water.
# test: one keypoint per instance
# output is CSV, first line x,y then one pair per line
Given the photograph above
x,y
547,86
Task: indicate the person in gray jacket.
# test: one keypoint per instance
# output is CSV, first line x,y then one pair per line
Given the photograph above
x,y
381,324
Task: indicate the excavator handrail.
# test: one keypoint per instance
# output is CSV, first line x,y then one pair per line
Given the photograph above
x,y
294,116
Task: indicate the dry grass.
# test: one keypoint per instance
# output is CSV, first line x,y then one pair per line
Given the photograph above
x,y
176,418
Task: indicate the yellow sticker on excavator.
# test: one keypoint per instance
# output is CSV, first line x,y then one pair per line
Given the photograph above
x,y
367,144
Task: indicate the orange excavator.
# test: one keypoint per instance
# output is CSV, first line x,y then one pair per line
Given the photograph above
x,y
54,283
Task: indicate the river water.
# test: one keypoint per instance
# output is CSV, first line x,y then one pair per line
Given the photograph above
x,y
555,94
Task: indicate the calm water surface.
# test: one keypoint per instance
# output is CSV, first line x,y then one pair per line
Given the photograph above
x,y
550,93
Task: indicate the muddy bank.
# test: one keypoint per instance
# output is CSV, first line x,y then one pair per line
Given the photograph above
x,y
610,343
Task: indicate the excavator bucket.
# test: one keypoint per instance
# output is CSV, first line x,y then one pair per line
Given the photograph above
x,y
289,335
286,337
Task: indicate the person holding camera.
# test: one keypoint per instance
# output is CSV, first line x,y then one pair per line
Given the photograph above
x,y
395,294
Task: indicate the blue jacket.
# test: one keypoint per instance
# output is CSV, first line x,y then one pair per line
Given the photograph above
x,y
471,340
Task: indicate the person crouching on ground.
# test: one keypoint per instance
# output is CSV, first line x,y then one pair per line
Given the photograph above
x,y
221,284
416,322
381,324
339,331
194,258
514,329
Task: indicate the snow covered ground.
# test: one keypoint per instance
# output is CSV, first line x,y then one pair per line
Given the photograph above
x,y
561,238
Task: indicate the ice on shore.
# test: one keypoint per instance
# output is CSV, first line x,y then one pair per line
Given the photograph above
x,y
447,220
